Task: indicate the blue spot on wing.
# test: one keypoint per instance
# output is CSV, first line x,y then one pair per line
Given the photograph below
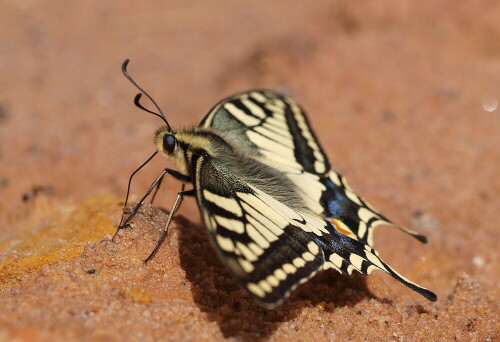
x,y
330,184
336,201
335,209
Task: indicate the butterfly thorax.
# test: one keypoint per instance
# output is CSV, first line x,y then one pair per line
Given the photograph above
x,y
223,152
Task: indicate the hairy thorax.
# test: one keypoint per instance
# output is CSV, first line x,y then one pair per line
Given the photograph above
x,y
224,150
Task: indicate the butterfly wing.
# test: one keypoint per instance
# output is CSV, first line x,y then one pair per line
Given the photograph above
x,y
264,244
274,130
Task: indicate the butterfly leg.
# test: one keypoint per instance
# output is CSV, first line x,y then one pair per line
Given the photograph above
x,y
156,191
177,175
128,188
169,219
155,184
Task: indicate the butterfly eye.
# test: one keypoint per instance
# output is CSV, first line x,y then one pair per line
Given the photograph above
x,y
169,142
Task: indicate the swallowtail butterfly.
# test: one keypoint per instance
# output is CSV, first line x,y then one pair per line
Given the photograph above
x,y
274,210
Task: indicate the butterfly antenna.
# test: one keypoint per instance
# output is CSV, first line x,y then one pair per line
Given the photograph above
x,y
138,96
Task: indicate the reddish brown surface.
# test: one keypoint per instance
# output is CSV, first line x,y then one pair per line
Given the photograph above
x,y
394,90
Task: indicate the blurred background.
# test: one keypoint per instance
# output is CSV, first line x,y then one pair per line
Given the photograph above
x,y
402,94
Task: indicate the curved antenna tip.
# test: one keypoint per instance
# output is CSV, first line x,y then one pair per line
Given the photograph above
x,y
124,65
137,98
421,238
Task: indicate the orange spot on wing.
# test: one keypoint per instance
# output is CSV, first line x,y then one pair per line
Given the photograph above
x,y
340,229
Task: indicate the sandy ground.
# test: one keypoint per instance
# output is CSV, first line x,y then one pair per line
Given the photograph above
x,y
401,94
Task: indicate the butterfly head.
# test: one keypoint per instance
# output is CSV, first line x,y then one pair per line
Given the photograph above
x,y
166,141
173,146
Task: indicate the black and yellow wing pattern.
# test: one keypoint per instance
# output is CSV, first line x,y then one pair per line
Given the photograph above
x,y
277,214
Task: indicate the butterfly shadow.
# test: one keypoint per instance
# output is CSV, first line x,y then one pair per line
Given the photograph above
x,y
220,296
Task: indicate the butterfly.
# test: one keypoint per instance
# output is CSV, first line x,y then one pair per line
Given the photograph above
x,y
274,210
